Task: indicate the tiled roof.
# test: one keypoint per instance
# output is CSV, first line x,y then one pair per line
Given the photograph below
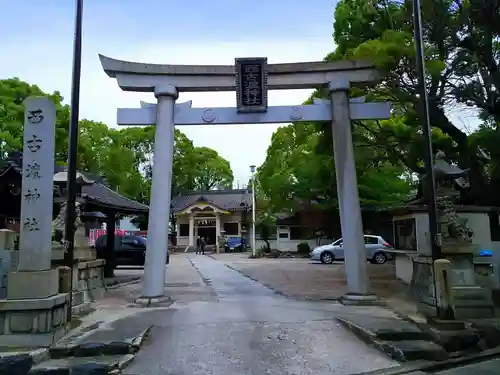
x,y
230,200
97,193
100,194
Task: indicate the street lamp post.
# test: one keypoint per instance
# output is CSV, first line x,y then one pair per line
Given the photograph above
x,y
252,169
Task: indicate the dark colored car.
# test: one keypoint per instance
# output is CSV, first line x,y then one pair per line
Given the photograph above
x,y
129,250
235,244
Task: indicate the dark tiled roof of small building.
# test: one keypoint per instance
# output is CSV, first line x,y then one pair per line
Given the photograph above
x,y
230,200
97,193
100,194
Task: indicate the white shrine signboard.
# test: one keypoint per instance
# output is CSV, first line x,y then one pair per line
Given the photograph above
x,y
37,191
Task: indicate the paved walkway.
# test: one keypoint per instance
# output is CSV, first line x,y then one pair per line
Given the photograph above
x,y
245,328
316,281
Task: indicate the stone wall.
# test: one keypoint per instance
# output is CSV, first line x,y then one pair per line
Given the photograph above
x,y
39,322
88,284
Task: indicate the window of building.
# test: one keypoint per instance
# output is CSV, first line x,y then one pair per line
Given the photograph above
x,y
184,230
494,226
297,233
405,237
231,229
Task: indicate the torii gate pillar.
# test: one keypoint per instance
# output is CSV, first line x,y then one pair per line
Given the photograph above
x,y
161,190
347,192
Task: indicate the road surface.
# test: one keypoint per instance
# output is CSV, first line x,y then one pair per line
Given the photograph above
x,y
248,329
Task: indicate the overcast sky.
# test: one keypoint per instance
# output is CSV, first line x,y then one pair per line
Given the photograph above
x,y
36,39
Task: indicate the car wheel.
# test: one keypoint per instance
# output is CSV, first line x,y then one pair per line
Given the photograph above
x,y
379,258
327,258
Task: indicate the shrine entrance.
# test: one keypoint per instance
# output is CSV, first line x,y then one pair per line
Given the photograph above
x,y
251,78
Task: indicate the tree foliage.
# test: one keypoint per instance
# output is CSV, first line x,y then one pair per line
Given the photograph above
x,y
463,77
124,157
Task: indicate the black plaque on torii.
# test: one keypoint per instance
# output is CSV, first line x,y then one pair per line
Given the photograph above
x,y
251,84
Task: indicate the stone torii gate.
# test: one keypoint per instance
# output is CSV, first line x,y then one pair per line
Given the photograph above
x,y
250,78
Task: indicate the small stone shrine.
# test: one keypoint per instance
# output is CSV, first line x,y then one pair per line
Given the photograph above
x,y
468,300
34,312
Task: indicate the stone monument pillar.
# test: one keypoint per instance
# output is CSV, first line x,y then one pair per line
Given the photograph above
x,y
35,312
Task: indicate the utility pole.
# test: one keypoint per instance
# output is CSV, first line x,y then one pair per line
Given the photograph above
x,y
72,149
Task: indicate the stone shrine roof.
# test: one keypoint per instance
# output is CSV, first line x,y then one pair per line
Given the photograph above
x,y
229,200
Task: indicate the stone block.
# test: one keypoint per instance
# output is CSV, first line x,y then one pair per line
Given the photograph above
x,y
85,254
58,316
50,371
90,349
32,284
414,350
2,322
387,329
453,341
33,322
21,322
91,369
16,364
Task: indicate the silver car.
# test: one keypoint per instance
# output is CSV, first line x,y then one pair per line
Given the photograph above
x,y
375,251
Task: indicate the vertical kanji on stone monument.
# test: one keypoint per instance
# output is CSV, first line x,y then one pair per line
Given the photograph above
x,y
38,173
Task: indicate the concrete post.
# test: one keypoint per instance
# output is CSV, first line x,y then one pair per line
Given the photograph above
x,y
347,192
159,207
191,230
217,232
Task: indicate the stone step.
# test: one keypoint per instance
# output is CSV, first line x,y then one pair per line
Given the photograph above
x,y
99,365
397,338
412,350
386,329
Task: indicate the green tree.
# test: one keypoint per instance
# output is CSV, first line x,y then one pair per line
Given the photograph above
x,y
212,170
461,48
13,92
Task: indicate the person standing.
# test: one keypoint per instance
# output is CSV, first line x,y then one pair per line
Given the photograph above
x,y
198,245
203,244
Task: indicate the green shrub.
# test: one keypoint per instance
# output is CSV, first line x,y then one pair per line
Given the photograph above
x,y
303,248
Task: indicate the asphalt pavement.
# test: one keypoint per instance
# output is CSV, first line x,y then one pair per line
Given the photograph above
x,y
246,328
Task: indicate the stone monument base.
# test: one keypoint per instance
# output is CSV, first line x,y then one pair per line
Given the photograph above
x,y
36,322
80,253
470,300
32,284
360,299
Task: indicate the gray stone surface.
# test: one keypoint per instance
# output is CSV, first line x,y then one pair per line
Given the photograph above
x,y
33,284
249,329
489,331
453,341
16,365
410,350
80,365
490,367
384,328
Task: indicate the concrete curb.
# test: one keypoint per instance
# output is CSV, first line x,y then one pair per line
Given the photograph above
x,y
130,281
432,366
40,355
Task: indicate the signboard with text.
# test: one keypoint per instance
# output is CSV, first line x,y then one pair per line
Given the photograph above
x,y
251,84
